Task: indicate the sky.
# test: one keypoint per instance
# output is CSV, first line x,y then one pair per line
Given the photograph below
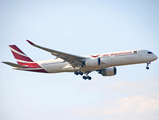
x,y
79,27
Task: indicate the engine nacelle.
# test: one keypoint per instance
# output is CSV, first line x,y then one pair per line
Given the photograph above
x,y
108,71
93,62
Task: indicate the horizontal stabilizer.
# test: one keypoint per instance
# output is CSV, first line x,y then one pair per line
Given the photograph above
x,y
14,65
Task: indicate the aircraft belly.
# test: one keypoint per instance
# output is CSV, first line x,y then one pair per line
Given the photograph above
x,y
92,68
54,67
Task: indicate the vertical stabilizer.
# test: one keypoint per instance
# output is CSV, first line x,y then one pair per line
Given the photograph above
x,y
20,56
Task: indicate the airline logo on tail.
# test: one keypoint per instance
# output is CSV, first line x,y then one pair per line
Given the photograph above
x,y
24,62
22,58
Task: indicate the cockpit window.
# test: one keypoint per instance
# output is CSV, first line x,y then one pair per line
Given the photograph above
x,y
149,53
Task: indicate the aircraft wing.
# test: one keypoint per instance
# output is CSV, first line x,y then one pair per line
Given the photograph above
x,y
74,60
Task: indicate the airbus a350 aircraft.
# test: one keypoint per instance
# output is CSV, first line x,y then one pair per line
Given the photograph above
x,y
104,63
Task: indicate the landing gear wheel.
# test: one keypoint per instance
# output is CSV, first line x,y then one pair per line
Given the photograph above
x,y
81,73
84,77
76,73
147,68
89,78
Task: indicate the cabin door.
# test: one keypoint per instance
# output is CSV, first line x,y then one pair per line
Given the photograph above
x,y
139,53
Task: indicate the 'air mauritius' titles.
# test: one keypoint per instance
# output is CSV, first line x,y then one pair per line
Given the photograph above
x,y
112,54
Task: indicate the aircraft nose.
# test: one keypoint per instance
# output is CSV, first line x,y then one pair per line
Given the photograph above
x,y
155,57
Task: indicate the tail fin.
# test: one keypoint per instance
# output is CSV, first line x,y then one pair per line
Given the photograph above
x,y
20,56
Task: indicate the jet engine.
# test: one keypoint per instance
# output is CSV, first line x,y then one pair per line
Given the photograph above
x,y
93,62
108,71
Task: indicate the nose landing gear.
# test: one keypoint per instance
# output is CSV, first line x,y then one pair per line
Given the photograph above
x,y
147,67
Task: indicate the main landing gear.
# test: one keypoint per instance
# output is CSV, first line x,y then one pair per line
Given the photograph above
x,y
81,73
78,73
87,77
147,67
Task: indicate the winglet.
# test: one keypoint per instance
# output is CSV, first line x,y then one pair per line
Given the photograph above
x,y
30,42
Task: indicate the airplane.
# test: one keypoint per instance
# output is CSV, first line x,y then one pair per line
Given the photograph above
x,y
103,63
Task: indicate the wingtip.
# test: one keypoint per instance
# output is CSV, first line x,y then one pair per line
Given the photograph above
x,y
30,42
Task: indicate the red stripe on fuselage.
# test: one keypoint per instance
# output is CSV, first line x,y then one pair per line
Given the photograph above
x,y
31,65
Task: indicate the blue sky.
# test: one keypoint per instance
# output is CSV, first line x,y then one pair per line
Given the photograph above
x,y
80,28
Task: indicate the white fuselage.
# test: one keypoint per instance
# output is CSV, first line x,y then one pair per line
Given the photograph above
x,y
107,60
